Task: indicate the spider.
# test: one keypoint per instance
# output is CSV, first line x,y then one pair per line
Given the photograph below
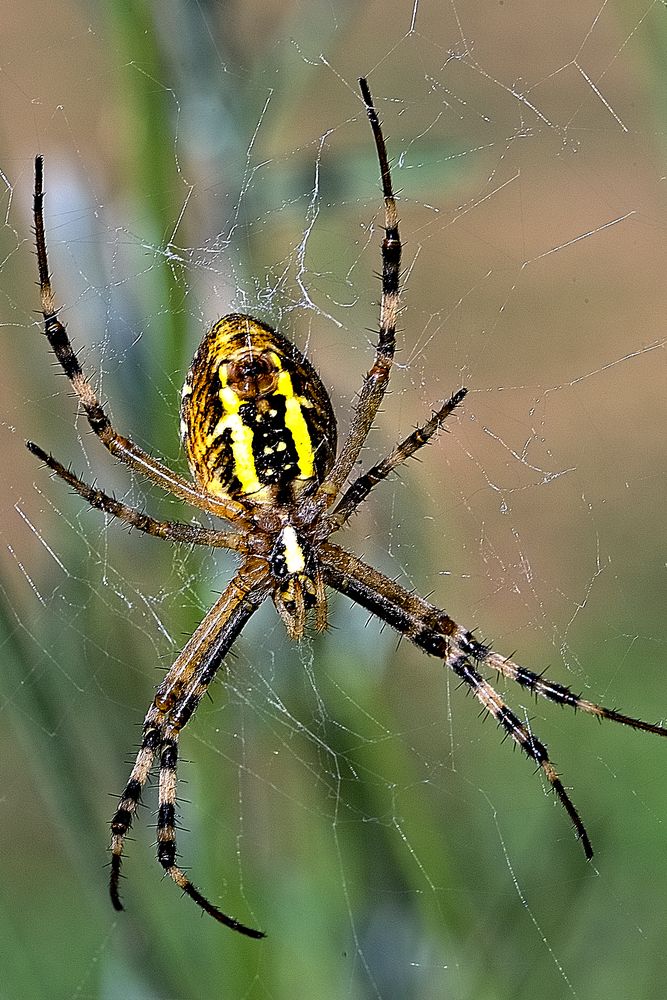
x,y
260,436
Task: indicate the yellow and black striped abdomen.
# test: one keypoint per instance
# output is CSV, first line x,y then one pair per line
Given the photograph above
x,y
256,421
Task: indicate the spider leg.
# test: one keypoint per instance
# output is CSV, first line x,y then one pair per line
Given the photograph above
x,y
433,631
122,448
437,620
357,492
489,698
375,383
551,690
176,699
127,808
166,839
175,531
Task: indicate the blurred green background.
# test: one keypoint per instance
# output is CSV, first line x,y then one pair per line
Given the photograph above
x,y
343,795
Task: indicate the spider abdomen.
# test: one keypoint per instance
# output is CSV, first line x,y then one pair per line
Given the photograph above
x,y
256,420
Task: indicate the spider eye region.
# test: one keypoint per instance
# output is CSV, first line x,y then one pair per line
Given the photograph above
x,y
254,376
256,420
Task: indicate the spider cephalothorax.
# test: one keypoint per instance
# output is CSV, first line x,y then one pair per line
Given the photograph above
x,y
260,436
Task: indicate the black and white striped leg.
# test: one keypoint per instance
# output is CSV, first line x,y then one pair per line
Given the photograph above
x,y
166,839
433,631
491,701
357,492
175,700
175,531
127,807
376,381
123,449
540,685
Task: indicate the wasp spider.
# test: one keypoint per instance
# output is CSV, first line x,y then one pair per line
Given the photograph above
x,y
260,436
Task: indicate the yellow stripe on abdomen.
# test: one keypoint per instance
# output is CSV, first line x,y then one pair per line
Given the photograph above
x,y
296,424
242,440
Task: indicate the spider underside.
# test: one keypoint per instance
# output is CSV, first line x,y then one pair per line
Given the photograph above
x,y
260,436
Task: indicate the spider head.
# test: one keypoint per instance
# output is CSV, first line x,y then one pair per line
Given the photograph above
x,y
299,587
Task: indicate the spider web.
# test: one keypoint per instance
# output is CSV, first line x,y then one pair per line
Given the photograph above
x,y
342,794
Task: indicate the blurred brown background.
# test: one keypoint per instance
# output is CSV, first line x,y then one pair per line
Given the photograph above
x,y
344,795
